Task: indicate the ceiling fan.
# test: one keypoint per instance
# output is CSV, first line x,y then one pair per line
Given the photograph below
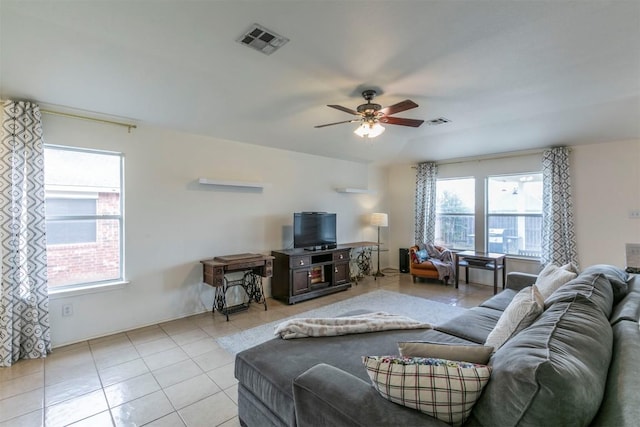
x,y
372,115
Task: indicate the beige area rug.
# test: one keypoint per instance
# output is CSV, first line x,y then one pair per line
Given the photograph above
x,y
391,302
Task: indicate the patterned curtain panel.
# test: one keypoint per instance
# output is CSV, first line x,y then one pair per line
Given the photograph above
x,y
425,227
558,235
24,299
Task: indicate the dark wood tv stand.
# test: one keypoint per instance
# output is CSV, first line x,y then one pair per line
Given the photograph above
x,y
300,274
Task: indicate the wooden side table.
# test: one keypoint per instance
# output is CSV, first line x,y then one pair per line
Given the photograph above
x,y
255,267
484,261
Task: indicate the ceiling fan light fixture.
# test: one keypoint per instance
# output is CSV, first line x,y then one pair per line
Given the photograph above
x,y
362,130
370,116
375,130
369,130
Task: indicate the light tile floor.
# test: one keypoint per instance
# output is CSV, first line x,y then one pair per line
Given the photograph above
x,y
169,374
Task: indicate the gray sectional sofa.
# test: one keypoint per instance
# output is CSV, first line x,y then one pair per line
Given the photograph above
x,y
577,364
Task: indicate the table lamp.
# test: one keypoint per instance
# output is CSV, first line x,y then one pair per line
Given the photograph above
x,y
379,220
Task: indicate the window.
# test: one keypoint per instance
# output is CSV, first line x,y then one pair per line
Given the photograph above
x,y
84,216
70,231
455,208
514,214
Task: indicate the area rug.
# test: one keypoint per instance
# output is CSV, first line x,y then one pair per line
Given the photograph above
x,y
391,302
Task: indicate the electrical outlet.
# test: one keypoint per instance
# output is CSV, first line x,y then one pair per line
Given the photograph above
x,y
634,214
67,309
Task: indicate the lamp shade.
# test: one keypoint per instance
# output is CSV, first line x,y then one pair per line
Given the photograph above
x,y
375,130
369,130
379,219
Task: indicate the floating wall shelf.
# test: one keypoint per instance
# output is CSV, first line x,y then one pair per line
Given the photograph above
x,y
355,190
225,183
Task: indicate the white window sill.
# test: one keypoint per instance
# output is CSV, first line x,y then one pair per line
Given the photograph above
x,y
88,289
534,260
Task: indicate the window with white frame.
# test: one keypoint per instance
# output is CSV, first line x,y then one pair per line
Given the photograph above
x,y
514,214
84,215
455,213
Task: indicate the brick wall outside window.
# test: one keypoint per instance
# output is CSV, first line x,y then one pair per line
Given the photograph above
x,y
89,262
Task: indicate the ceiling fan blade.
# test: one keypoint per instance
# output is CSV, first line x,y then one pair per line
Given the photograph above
x,y
336,123
400,121
405,105
345,109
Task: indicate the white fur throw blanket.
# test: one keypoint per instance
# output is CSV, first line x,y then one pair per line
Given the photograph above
x,y
333,326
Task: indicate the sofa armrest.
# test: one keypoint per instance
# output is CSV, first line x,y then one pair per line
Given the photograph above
x,y
327,396
517,280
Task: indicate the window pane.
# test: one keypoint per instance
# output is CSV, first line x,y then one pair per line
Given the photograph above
x,y
455,231
515,194
515,234
71,231
97,261
63,207
455,206
455,195
514,221
82,187
77,174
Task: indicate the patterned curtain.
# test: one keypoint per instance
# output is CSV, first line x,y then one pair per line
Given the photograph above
x,y
24,298
558,235
425,227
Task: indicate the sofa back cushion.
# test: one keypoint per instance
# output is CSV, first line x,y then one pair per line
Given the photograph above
x,y
552,373
628,308
616,276
593,286
621,404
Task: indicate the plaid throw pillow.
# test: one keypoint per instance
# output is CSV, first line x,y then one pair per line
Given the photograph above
x,y
444,389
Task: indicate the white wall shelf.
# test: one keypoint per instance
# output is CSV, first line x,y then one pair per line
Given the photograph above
x,y
225,183
355,190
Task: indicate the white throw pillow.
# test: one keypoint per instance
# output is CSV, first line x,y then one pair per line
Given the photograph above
x,y
552,277
523,310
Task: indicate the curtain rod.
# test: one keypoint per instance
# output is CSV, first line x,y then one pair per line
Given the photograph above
x,y
490,157
129,126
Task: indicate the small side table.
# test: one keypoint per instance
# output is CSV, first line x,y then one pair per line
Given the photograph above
x,y
484,261
360,259
254,266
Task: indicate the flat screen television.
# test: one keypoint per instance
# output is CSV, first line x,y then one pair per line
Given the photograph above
x,y
314,230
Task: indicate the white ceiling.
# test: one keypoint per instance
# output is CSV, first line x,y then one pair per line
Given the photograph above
x,y
511,75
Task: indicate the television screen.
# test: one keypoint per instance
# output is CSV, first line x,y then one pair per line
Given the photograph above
x,y
313,229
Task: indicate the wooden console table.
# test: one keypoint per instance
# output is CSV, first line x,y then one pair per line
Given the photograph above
x,y
255,267
300,275
483,261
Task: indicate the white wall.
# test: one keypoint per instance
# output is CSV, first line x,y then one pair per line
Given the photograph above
x,y
606,186
172,222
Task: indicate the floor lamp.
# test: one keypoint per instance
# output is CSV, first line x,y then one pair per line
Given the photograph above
x,y
379,220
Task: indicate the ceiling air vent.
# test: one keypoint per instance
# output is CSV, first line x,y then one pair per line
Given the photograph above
x,y
262,39
438,121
